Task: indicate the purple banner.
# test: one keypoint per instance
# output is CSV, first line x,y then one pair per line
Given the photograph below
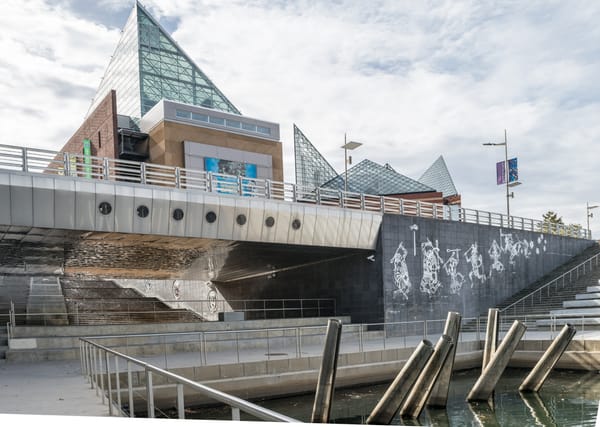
x,y
500,173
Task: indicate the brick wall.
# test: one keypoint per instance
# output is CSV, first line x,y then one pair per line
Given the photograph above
x,y
100,127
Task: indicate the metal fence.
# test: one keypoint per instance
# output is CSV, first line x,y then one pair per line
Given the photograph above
x,y
525,303
81,166
90,311
100,365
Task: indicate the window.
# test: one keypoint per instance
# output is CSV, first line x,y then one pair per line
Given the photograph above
x,y
183,114
262,129
200,117
248,126
217,120
233,123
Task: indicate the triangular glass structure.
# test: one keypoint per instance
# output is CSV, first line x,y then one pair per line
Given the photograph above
x,y
312,170
148,65
438,177
372,178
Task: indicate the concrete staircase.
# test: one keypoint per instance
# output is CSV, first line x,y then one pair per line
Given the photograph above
x,y
584,310
554,298
46,303
103,302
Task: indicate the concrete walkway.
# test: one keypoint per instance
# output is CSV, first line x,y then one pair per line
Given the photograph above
x,y
47,388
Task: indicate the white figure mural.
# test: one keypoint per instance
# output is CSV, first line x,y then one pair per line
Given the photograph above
x,y
456,278
212,297
513,249
473,256
432,263
401,277
495,253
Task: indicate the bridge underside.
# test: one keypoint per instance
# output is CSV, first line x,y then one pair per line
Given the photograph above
x,y
29,250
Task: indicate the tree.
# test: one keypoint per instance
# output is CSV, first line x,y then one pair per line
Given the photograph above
x,y
552,217
551,223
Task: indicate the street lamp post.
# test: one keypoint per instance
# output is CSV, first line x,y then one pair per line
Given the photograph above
x,y
589,215
506,173
348,145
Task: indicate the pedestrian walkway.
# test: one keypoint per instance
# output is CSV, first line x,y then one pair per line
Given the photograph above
x,y
47,388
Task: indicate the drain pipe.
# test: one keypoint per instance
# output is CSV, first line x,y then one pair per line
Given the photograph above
x,y
439,395
485,385
326,383
396,393
541,370
491,337
422,389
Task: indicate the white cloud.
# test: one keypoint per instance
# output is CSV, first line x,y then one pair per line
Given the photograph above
x,y
411,80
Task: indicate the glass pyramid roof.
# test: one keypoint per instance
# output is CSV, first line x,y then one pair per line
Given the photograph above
x,y
372,178
312,170
148,65
438,177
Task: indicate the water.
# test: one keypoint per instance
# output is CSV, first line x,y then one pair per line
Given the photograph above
x,y
568,398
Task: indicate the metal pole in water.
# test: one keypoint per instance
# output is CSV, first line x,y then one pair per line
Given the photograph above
x,y
326,383
485,385
421,390
396,393
439,395
541,370
491,337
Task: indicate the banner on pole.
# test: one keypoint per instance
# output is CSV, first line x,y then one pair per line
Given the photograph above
x,y
500,173
513,171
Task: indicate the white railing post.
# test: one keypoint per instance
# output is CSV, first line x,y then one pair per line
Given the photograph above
x,y
341,196
418,208
66,164
362,201
143,173
268,188
382,204
294,192
318,194
25,163
401,206
177,177
209,182
106,168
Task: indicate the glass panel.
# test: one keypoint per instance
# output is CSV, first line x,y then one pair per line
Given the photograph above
x,y
200,117
233,123
183,114
217,120
248,126
262,129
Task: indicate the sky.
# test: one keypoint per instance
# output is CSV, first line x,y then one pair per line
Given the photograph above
x,y
411,80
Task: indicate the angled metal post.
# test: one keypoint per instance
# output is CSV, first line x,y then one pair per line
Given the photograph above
x,y
439,395
326,382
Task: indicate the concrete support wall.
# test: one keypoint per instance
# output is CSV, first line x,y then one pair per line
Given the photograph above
x,y
431,267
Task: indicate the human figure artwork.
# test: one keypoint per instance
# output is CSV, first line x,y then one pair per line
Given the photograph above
x,y
513,249
401,277
176,290
432,263
456,278
473,256
212,297
495,253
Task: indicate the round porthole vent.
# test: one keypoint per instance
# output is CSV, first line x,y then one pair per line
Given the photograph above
x,y
241,219
143,211
178,214
211,217
296,224
270,221
105,208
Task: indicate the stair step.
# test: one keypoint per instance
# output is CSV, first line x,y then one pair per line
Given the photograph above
x,y
591,311
582,303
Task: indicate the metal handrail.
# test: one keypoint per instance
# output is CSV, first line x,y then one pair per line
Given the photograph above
x,y
81,166
227,399
562,277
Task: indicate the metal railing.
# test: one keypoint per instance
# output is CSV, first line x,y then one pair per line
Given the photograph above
x,y
81,166
209,348
105,374
535,297
89,311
